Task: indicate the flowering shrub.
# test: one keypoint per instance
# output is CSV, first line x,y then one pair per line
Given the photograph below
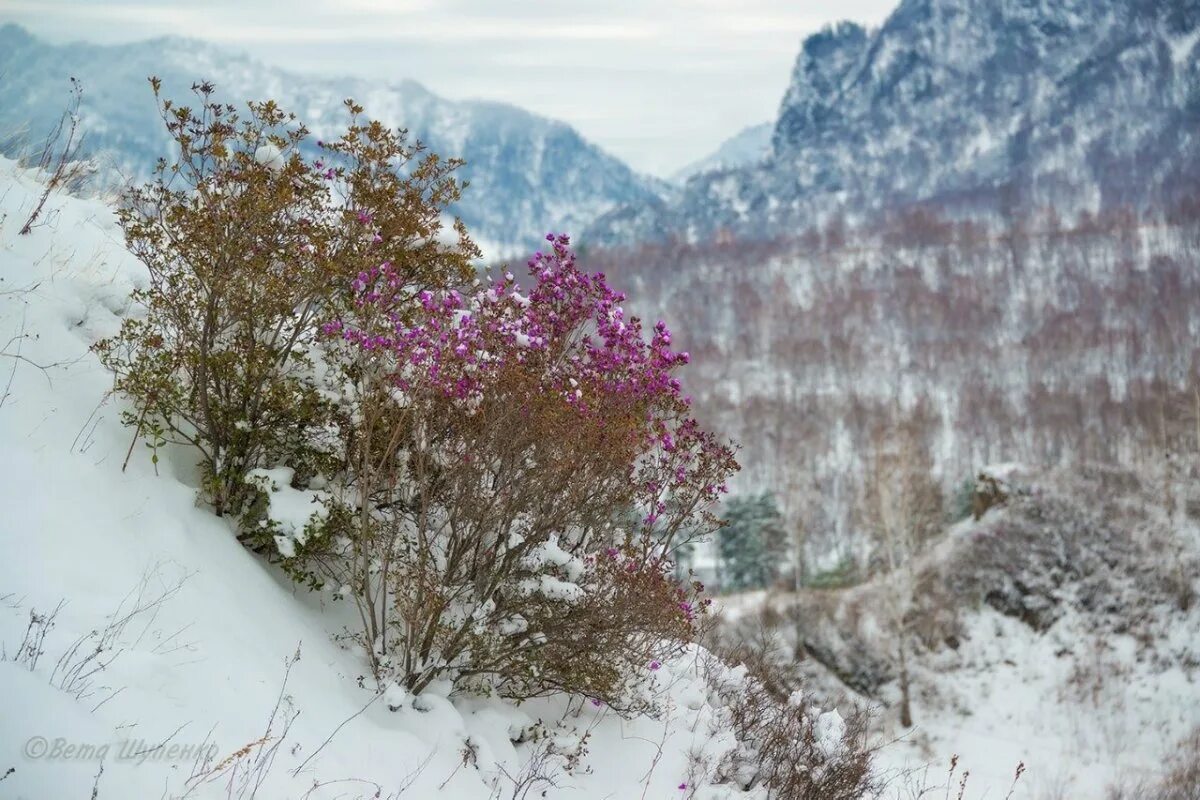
x,y
460,460
501,436
247,243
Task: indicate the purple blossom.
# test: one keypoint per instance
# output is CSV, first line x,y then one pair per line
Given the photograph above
x,y
569,331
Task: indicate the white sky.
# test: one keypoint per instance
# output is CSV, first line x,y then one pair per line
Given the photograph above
x,y
658,83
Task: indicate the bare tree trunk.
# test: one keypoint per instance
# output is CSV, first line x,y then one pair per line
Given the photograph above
x,y
1196,395
905,697
905,508
798,566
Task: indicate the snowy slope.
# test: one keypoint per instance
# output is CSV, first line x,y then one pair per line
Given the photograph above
x,y
1054,349
868,260
171,635
528,174
1060,631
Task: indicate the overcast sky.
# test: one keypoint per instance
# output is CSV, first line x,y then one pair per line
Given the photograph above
x,y
659,83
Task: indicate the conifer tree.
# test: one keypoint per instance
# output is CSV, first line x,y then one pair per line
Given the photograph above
x,y
753,545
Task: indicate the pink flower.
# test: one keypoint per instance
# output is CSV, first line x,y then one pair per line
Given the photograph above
x,y
655,666
572,338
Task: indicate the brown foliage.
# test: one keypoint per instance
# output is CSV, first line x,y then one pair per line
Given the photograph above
x,y
247,244
454,519
986,494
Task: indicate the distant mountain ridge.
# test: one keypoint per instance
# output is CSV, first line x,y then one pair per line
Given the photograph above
x,y
528,174
988,105
748,146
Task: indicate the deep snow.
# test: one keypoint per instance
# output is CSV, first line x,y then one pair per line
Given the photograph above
x,y
205,633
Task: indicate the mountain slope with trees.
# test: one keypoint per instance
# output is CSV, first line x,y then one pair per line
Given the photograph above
x,y
511,155
972,107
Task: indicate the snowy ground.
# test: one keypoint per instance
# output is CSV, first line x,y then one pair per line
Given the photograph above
x,y
1015,698
1081,708
194,636
166,643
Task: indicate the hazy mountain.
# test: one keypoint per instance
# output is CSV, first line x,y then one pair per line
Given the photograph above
x,y
528,174
746,147
966,104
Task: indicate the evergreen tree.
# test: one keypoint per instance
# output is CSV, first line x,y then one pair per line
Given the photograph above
x,y
753,546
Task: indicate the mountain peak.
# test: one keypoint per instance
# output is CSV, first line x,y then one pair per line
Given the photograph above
x,y
832,34
748,146
511,154
12,34
826,61
969,106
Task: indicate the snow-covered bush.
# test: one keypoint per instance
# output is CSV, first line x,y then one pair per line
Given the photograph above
x,y
247,242
460,461
1089,538
495,444
783,743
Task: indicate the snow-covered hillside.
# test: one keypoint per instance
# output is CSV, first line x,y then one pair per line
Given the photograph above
x,y
1044,345
528,174
146,653
1061,630
922,245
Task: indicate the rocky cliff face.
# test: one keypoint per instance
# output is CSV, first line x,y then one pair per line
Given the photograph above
x,y
976,106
